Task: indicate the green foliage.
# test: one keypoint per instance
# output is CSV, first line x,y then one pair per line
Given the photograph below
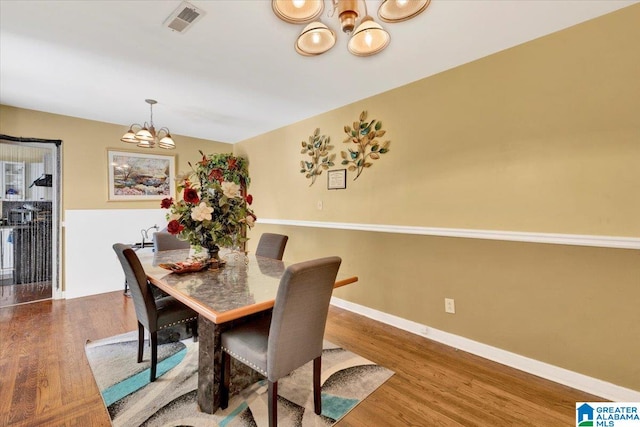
x,y
367,146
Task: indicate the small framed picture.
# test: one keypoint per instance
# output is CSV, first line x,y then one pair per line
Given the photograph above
x,y
140,176
337,179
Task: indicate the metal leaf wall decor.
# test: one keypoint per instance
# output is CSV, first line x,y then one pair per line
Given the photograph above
x,y
317,149
367,146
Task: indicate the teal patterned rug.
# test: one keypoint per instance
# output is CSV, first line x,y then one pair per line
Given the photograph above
x,y
132,400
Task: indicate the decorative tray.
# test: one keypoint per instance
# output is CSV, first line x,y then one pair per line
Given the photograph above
x,y
187,266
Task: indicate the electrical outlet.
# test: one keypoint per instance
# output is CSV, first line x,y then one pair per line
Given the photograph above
x,y
319,205
449,305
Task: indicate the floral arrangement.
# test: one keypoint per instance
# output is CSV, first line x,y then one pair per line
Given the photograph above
x,y
214,209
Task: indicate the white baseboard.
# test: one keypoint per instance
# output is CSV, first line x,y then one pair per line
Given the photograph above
x,y
553,373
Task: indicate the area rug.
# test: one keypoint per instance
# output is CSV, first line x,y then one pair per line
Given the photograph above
x,y
131,400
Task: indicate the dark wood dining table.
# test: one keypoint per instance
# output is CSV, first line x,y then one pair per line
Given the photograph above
x,y
245,286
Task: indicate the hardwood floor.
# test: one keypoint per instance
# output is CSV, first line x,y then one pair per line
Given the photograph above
x,y
45,379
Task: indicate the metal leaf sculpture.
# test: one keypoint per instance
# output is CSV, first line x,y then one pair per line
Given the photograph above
x,y
319,158
364,135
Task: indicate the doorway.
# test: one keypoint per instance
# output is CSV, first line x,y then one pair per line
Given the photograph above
x,y
29,220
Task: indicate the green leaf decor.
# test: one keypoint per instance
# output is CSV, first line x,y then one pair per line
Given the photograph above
x,y
367,147
318,158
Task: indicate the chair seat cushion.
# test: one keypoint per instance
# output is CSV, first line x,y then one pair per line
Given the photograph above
x,y
248,343
171,312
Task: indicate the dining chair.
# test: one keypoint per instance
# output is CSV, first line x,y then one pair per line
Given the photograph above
x,y
152,314
290,336
165,241
272,245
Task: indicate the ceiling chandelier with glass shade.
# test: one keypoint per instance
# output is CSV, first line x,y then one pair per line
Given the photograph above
x,y
367,37
145,136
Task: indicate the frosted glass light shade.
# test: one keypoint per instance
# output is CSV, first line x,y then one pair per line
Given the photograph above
x,y
315,39
369,38
146,144
129,137
297,11
401,10
144,135
167,142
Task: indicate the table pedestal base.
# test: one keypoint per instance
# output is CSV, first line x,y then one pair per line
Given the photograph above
x,y
210,367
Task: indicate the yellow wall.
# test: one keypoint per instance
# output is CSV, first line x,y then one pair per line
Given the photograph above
x,y
84,153
543,137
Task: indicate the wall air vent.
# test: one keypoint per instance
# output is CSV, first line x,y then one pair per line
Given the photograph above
x,y
183,17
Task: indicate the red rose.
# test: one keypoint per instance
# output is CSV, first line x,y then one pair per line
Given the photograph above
x,y
166,203
249,198
191,196
232,163
174,227
216,174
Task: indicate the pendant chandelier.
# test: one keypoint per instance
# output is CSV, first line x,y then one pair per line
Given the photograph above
x,y
367,37
146,136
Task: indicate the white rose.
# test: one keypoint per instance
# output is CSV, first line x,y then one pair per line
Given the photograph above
x,y
202,212
250,221
230,189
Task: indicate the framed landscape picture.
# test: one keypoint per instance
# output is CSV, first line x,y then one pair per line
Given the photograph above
x,y
140,176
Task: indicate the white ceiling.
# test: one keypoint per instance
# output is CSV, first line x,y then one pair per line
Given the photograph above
x,y
235,74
